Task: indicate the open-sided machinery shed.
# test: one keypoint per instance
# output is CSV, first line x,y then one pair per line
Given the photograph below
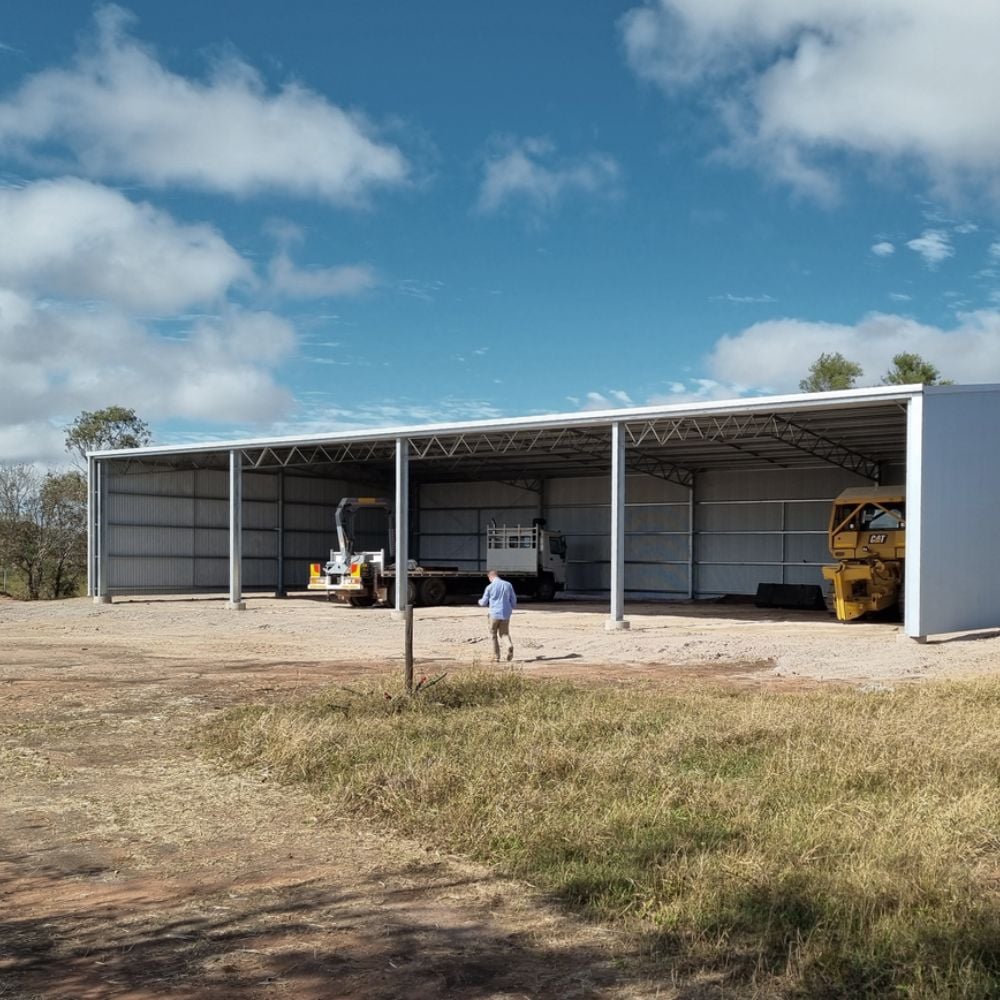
x,y
674,501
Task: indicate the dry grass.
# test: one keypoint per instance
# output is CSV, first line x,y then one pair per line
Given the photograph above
x,y
823,844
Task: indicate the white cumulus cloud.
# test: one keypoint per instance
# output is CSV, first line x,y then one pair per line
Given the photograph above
x,y
743,300
610,399
318,283
697,390
118,112
691,390
898,80
779,352
105,300
59,359
933,245
530,171
883,248
77,239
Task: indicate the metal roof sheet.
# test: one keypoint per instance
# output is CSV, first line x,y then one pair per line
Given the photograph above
x,y
804,403
858,429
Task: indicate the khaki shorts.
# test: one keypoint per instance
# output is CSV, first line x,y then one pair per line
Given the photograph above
x,y
500,626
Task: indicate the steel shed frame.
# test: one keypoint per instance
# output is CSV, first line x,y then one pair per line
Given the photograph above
x,y
861,432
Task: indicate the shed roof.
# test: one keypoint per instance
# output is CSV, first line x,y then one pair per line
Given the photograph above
x,y
858,429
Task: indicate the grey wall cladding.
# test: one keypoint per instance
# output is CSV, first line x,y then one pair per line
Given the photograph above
x,y
168,531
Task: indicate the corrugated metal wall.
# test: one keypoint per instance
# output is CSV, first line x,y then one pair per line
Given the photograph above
x,y
450,520
951,531
763,527
168,531
749,528
656,524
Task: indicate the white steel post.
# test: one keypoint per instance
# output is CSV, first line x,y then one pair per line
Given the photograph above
x,y
236,601
101,593
912,612
617,620
90,527
402,526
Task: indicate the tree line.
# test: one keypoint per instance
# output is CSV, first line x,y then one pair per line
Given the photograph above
x,y
43,513
834,371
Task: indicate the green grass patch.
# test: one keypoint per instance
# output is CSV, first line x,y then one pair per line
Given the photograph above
x,y
827,844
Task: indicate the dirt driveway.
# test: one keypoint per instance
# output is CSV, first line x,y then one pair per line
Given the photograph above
x,y
131,867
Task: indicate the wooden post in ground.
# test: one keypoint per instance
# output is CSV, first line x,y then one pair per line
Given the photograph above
x,y
408,649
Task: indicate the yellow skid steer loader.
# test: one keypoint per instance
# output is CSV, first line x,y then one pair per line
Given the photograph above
x,y
868,537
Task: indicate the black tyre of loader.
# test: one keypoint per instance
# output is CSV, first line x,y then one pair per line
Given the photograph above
x,y
830,600
433,592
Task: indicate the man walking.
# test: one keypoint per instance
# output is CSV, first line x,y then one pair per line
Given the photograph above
x,y
500,598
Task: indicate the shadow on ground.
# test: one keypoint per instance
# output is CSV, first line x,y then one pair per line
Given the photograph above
x,y
105,937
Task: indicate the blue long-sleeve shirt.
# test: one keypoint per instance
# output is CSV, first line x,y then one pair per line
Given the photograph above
x,y
501,599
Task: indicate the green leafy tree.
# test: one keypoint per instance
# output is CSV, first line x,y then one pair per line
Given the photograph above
x,y
19,541
831,371
911,369
43,516
43,529
63,503
112,427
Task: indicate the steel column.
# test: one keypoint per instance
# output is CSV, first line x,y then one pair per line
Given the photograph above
x,y
913,625
90,526
236,531
617,620
402,524
100,528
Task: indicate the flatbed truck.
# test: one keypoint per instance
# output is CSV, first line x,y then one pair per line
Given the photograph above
x,y
531,557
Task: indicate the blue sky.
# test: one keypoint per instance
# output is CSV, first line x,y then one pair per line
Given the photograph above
x,y
255,218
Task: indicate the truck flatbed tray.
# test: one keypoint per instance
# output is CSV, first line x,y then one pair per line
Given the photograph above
x,y
453,571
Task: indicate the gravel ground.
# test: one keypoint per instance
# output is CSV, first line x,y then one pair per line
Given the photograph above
x,y
564,637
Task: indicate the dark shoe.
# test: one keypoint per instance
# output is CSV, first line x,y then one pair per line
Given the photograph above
x,y
510,654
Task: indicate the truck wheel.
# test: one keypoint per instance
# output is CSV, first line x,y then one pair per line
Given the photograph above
x,y
546,589
433,591
411,593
